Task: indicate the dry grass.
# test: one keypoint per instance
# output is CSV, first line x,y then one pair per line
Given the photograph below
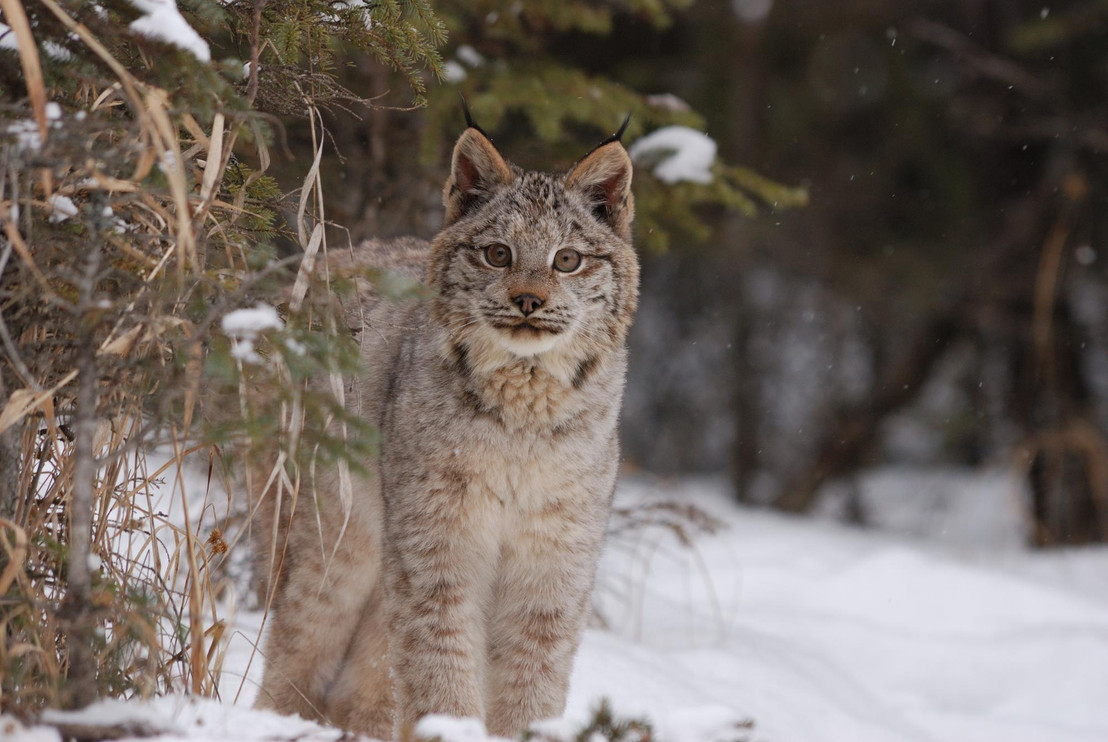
x,y
152,599
109,321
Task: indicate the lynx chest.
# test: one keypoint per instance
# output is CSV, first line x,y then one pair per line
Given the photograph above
x,y
518,441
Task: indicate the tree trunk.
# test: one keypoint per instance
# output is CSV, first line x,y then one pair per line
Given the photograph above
x,y
854,432
744,404
76,613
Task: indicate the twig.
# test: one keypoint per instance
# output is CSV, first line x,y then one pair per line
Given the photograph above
x,y
985,63
255,52
77,609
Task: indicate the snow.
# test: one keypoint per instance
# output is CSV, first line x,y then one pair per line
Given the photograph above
x,y
667,102
781,629
243,327
55,51
677,153
162,21
12,729
26,134
62,208
296,347
364,5
114,711
251,321
8,38
25,131
181,719
451,729
818,631
752,11
983,509
454,72
470,56
168,161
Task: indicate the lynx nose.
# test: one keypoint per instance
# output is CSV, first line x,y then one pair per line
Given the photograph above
x,y
527,303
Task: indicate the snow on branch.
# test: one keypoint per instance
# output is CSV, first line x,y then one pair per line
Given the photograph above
x,y
162,21
677,153
243,327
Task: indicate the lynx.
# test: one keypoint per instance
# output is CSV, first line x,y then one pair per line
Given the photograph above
x,y
460,584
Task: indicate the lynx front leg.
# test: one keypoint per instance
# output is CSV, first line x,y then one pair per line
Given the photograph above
x,y
539,610
439,575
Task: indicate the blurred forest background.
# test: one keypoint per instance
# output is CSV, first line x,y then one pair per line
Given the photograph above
x,y
942,299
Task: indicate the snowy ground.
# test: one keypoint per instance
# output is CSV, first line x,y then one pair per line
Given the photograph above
x,y
810,630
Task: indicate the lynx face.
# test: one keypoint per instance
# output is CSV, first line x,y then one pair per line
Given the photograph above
x,y
535,264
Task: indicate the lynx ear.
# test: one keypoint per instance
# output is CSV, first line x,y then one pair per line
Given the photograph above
x,y
604,178
476,170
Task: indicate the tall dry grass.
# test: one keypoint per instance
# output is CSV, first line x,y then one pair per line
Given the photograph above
x,y
112,348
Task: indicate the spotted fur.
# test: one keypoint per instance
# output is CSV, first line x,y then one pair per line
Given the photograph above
x,y
460,584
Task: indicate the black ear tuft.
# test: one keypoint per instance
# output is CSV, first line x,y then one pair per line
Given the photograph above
x,y
618,136
470,123
622,128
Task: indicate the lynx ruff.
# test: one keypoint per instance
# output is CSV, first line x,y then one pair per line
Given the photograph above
x,y
460,584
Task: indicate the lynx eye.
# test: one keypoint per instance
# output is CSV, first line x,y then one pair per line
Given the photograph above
x,y
498,256
567,259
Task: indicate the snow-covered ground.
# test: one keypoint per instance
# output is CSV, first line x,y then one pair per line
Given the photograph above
x,y
817,631
799,630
